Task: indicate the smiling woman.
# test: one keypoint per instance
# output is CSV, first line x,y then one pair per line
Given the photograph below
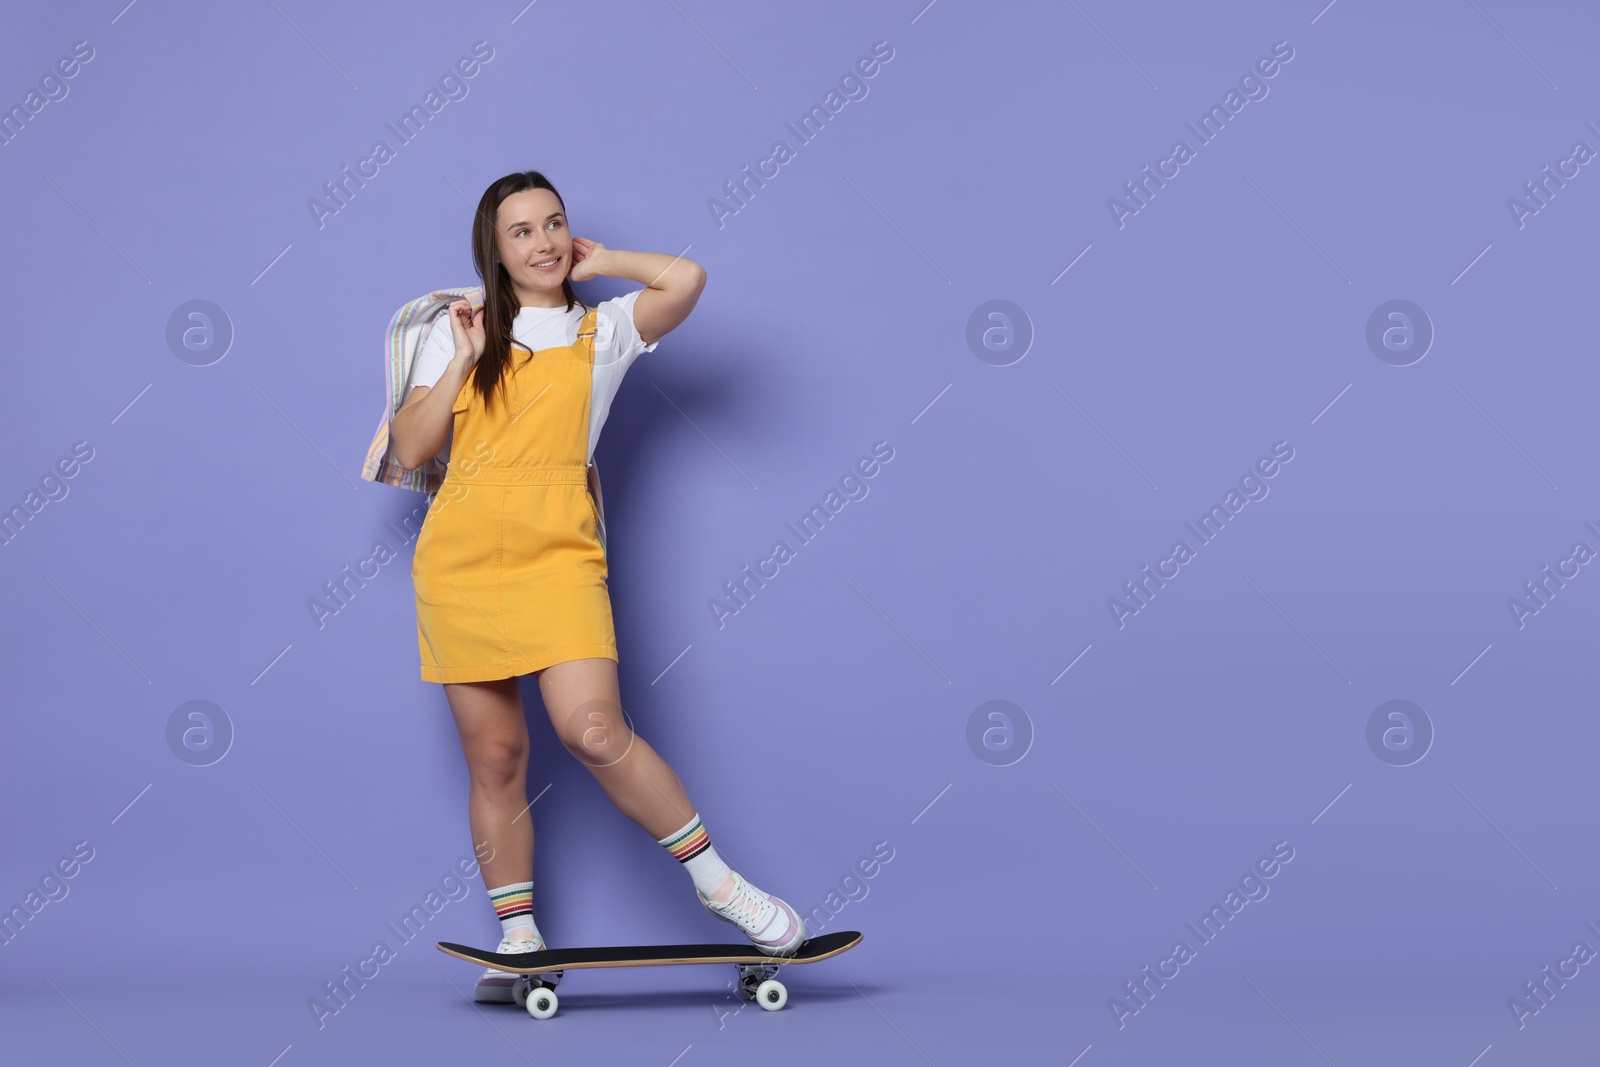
x,y
511,579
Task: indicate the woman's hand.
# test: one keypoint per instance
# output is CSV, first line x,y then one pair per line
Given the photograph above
x,y
587,257
466,326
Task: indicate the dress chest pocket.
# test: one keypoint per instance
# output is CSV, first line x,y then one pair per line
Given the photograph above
x,y
463,401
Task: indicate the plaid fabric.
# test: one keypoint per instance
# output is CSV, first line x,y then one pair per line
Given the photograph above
x,y
408,329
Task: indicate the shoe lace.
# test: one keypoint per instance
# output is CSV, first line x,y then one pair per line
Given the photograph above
x,y
748,906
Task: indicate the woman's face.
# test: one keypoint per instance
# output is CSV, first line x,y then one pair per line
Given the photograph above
x,y
531,229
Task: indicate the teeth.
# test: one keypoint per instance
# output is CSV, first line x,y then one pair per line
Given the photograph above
x,y
549,262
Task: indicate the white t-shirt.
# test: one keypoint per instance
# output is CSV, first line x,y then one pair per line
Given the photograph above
x,y
616,345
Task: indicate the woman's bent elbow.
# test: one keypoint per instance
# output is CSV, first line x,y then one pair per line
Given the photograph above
x,y
400,453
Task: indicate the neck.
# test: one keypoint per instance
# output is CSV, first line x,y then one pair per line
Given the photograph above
x,y
540,298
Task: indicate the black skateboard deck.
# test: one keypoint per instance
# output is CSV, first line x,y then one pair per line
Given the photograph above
x,y
756,968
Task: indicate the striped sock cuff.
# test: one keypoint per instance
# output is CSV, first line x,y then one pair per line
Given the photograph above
x,y
688,842
513,899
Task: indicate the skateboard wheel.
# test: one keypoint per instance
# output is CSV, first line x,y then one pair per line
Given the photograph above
x,y
542,1002
770,994
519,991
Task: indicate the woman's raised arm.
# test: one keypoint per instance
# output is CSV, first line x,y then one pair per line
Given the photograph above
x,y
673,284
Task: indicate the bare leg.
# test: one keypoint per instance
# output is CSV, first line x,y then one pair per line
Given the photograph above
x,y
494,740
586,710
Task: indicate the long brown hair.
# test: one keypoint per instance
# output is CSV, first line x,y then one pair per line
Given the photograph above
x,y
500,303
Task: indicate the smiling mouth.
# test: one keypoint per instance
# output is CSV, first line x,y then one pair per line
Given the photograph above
x,y
548,265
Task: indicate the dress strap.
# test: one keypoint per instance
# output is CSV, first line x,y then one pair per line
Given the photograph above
x,y
590,323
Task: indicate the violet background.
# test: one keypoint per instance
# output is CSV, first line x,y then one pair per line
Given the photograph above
x,y
832,712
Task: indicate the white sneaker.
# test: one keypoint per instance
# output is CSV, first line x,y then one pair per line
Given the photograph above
x,y
494,987
767,920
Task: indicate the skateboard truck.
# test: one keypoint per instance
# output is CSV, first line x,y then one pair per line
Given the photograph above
x,y
757,982
527,983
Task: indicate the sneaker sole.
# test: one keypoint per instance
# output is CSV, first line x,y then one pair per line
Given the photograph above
x,y
495,992
789,948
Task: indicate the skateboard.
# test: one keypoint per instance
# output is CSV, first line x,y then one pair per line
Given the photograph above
x,y
541,971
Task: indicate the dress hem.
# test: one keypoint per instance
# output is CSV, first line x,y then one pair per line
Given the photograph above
x,y
515,668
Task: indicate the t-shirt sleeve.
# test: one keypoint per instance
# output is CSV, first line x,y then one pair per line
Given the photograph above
x,y
437,352
616,341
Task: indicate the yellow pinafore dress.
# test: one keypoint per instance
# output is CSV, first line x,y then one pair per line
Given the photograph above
x,y
510,565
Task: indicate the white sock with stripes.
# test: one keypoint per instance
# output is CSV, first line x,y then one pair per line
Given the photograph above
x,y
514,905
691,846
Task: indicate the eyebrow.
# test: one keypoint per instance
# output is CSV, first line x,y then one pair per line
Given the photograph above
x,y
524,222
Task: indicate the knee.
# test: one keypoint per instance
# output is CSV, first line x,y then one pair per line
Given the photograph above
x,y
597,732
498,764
